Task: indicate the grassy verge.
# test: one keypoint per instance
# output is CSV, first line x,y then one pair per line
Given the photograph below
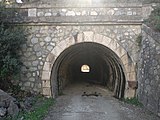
x,y
38,110
133,101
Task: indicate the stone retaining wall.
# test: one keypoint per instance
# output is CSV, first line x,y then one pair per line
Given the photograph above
x,y
149,70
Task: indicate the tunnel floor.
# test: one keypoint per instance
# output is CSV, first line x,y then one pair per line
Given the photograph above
x,y
74,104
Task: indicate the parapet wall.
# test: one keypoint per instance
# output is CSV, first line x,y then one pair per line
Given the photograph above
x,y
111,13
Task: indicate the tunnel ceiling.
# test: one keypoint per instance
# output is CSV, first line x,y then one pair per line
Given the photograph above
x,y
89,50
106,67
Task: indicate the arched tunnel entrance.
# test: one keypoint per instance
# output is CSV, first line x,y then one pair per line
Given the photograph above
x,y
88,62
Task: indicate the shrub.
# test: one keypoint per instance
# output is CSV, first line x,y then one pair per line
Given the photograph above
x,y
154,19
11,39
139,40
151,1
133,101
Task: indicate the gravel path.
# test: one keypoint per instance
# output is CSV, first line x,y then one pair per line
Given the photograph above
x,y
75,105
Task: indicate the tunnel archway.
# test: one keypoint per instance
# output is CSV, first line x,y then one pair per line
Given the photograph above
x,y
120,63
105,68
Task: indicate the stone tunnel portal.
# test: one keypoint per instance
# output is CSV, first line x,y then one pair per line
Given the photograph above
x,y
88,62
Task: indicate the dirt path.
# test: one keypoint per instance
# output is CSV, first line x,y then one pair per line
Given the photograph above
x,y
75,105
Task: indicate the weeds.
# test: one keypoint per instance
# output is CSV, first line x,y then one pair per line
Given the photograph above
x,y
38,110
133,101
139,40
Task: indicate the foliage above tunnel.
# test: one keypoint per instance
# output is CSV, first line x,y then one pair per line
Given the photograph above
x,y
150,1
154,19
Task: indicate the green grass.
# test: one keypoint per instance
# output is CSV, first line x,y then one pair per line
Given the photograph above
x,y
133,101
38,111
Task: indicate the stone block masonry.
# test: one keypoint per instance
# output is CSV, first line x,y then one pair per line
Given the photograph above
x,y
44,13
149,70
43,39
54,26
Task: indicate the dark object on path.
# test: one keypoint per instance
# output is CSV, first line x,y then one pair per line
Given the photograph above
x,y
91,94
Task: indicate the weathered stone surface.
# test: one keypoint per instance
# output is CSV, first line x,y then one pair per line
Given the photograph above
x,y
48,14
37,48
2,104
13,109
5,97
3,111
148,75
49,48
50,25
70,13
43,40
35,63
120,24
94,13
34,40
48,39
8,105
40,14
32,12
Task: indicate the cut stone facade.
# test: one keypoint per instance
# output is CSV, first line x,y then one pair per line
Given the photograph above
x,y
46,40
54,26
52,29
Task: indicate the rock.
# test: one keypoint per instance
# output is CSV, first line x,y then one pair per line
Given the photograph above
x,y
3,111
2,104
48,39
4,96
48,14
13,109
94,13
29,102
22,106
34,40
8,105
5,99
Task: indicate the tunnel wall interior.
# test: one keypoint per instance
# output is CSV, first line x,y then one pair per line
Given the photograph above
x,y
105,68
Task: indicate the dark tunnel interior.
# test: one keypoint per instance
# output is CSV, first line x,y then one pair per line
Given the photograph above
x,y
89,62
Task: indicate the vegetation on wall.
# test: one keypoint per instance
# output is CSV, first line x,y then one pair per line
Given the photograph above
x,y
151,1
139,40
154,19
11,40
133,101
